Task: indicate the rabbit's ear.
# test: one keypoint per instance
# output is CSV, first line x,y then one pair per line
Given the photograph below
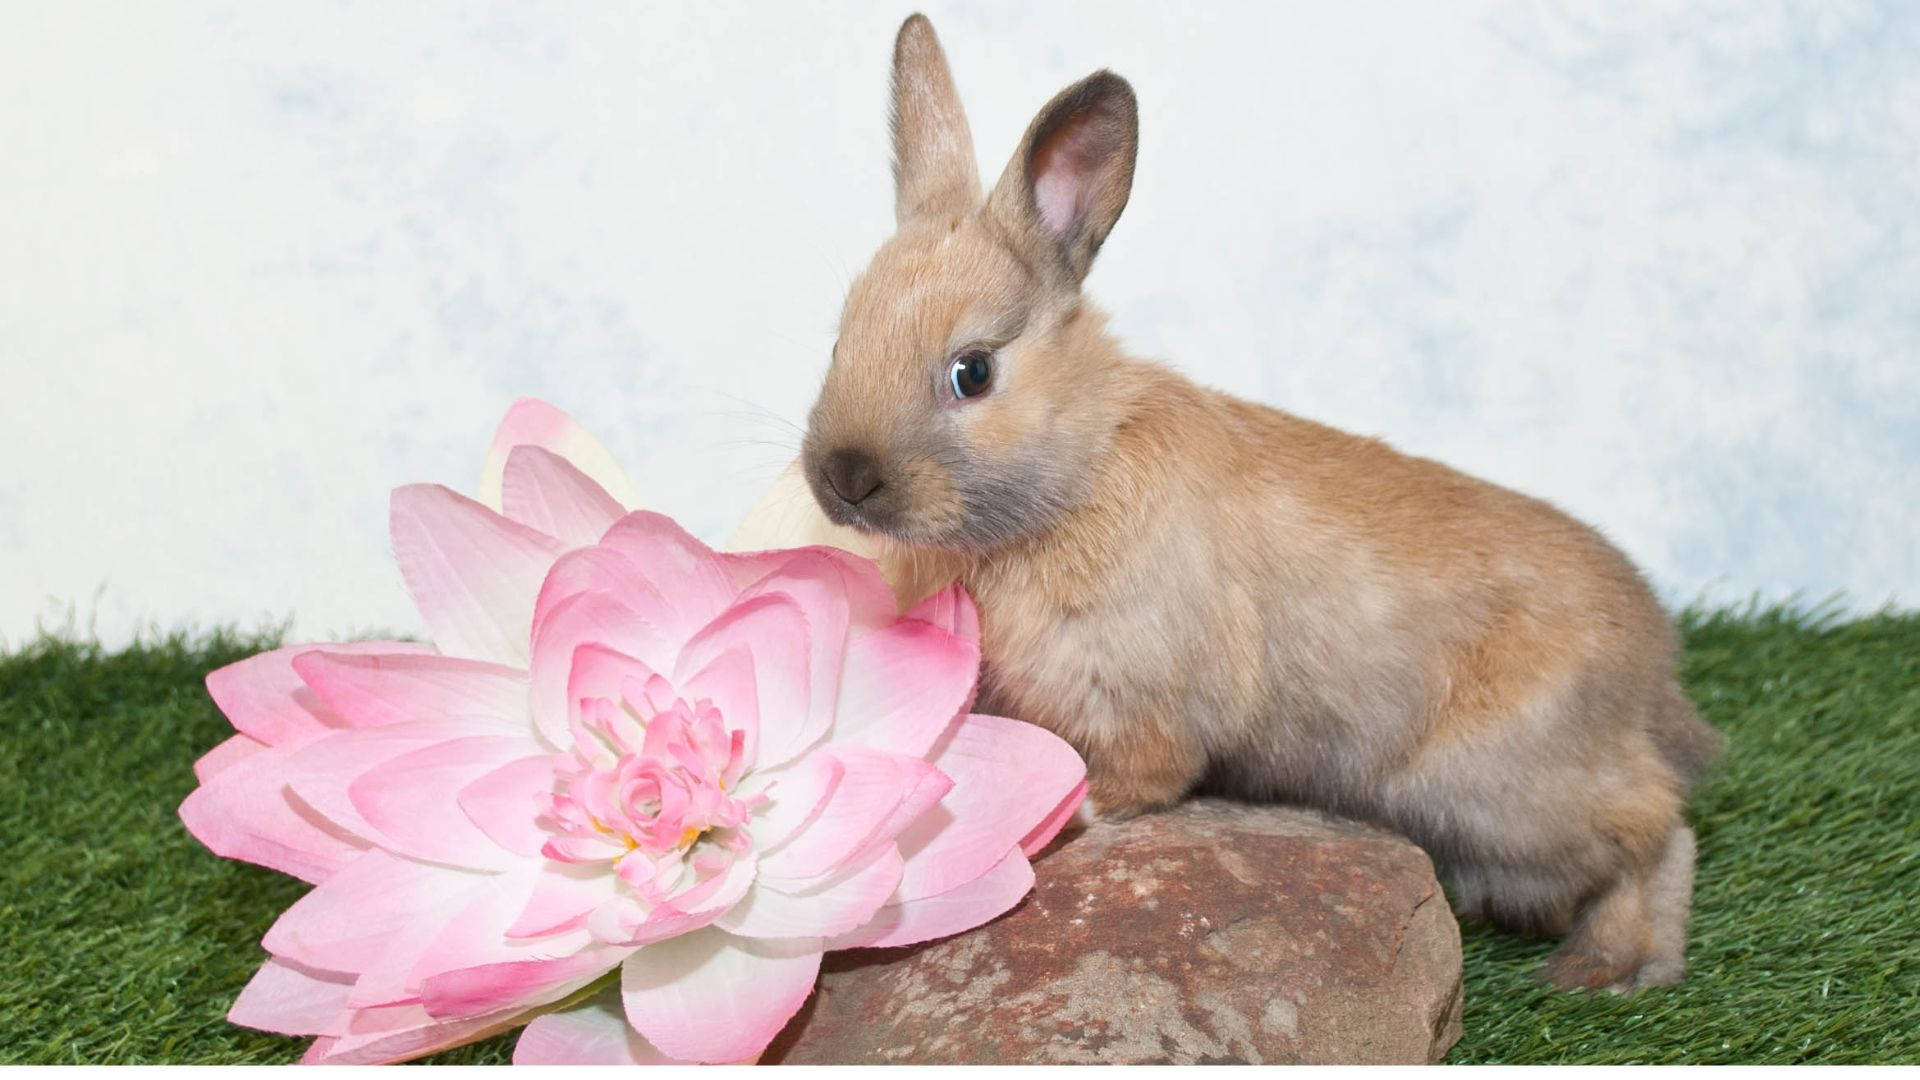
x,y
933,167
1069,180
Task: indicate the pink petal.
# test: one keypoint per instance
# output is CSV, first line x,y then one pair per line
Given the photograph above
x,y
284,999
388,980
831,905
775,631
975,903
317,774
872,786
473,574
351,921
594,569
413,800
796,793
712,997
926,787
626,923
1042,835
562,898
904,687
590,618
542,491
630,923
922,787
728,680
506,803
952,610
264,697
870,602
603,570
818,583
600,672
226,755
594,1032
686,571
477,937
246,812
374,690
399,1032
583,849
1009,777
513,984
667,603
535,423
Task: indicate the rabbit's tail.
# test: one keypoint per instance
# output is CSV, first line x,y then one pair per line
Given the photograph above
x,y
1688,743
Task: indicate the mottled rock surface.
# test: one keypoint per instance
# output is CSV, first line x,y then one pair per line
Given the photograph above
x,y
1211,933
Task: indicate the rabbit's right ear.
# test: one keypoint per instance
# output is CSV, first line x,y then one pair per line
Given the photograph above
x,y
933,167
1069,180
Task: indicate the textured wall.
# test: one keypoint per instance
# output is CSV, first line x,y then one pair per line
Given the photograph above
x,y
1659,264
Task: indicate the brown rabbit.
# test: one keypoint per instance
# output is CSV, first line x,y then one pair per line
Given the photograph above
x,y
1201,592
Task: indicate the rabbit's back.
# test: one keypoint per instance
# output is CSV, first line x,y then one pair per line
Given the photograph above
x,y
1323,614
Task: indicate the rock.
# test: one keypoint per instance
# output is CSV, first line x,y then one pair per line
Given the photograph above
x,y
1211,933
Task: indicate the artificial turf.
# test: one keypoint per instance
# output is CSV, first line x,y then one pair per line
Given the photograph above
x,y
125,941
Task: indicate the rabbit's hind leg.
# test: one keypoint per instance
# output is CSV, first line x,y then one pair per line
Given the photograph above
x,y
1633,933
1670,902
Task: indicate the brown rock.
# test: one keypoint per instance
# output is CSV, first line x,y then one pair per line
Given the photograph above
x,y
1210,933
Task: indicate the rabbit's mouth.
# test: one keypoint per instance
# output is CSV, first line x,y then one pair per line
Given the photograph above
x,y
869,519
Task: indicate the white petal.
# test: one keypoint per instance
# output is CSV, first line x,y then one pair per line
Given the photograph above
x,y
531,422
710,996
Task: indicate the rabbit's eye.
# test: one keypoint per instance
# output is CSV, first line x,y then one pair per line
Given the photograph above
x,y
970,373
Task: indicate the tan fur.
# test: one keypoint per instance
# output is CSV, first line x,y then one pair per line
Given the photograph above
x,y
1198,591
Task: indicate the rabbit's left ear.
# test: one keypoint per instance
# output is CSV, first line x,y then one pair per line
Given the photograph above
x,y
1070,178
933,167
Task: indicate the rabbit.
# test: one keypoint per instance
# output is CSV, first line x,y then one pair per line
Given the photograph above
x,y
1204,594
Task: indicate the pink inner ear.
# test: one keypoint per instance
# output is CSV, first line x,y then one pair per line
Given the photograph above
x,y
1063,168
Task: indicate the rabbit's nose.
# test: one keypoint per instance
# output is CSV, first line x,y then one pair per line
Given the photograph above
x,y
853,474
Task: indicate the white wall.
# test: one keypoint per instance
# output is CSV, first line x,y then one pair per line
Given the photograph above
x,y
261,262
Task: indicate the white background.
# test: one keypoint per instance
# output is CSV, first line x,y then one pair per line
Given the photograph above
x,y
261,262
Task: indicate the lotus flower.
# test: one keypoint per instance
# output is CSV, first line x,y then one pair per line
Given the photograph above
x,y
623,752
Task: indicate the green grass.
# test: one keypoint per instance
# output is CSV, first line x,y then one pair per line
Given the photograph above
x,y
124,941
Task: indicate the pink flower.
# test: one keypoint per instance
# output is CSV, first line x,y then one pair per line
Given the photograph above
x,y
623,752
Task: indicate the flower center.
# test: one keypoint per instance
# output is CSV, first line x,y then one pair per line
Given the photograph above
x,y
649,790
